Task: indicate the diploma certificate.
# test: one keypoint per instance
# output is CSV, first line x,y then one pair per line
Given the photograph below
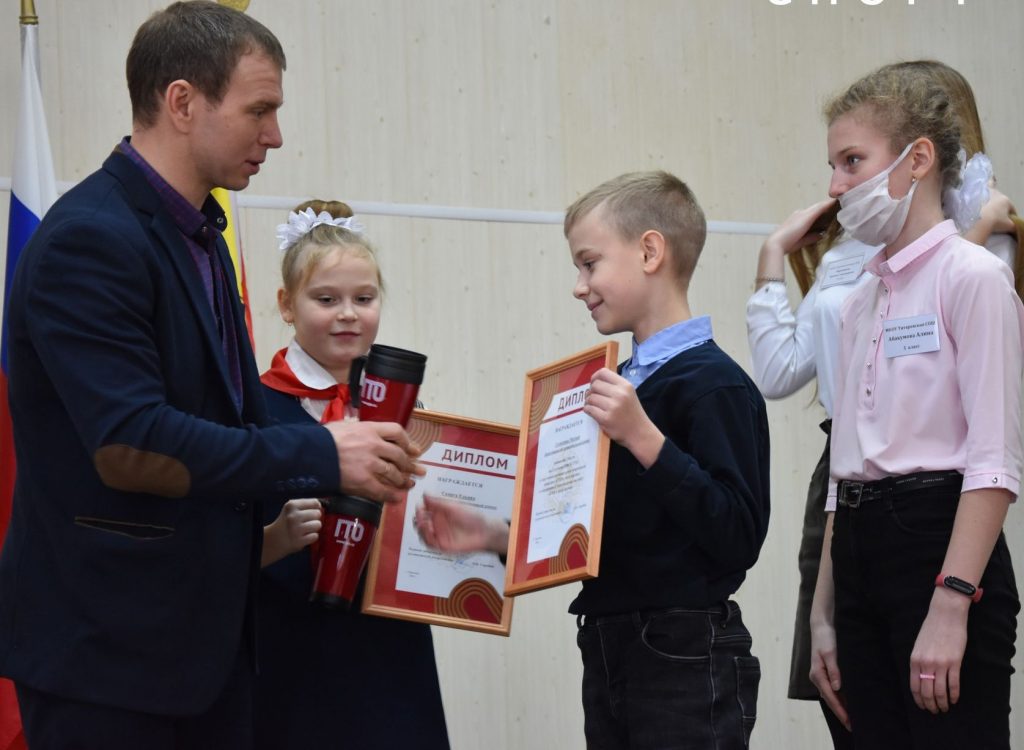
x,y
479,479
555,535
470,462
563,483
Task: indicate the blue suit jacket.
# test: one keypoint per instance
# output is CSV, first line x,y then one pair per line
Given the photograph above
x,y
128,568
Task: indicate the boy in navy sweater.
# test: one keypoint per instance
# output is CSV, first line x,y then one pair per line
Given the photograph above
x,y
666,657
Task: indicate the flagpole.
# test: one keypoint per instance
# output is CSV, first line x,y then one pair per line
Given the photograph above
x,y
19,227
28,13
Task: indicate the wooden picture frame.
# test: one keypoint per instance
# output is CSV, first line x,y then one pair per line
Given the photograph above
x,y
469,461
555,536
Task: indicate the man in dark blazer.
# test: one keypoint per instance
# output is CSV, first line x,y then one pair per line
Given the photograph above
x,y
142,441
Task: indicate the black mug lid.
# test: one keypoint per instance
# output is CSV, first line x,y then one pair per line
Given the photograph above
x,y
396,364
350,505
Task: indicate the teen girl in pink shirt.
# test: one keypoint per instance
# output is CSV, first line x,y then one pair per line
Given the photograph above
x,y
913,621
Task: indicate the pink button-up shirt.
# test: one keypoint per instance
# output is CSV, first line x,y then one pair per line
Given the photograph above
x,y
954,408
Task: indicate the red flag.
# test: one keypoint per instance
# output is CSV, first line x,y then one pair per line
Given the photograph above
x,y
33,190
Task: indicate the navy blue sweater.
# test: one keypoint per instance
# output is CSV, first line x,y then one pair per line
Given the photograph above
x,y
685,532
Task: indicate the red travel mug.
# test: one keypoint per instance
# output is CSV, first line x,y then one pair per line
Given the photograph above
x,y
340,555
391,379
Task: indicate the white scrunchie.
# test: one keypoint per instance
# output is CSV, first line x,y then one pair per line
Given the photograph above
x,y
963,204
301,223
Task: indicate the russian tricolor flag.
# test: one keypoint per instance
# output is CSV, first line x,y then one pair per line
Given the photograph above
x,y
33,191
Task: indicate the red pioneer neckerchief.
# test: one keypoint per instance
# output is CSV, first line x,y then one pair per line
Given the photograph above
x,y
281,378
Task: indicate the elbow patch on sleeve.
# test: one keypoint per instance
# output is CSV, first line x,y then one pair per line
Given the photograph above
x,y
122,467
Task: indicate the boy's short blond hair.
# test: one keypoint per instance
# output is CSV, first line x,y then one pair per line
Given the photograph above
x,y
637,202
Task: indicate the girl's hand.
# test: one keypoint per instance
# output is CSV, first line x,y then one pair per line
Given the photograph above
x,y
798,230
825,669
939,651
802,228
452,527
613,404
296,526
302,519
824,662
995,218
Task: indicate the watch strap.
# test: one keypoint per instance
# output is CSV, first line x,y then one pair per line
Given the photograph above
x,y
960,586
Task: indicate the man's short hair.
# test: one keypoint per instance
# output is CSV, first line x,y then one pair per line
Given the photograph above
x,y
199,42
636,202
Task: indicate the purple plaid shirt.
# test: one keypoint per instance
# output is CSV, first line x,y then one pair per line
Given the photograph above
x,y
201,231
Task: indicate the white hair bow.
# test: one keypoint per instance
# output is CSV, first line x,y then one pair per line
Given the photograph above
x,y
301,223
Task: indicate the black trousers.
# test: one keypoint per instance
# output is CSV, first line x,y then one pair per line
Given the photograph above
x,y
885,556
670,679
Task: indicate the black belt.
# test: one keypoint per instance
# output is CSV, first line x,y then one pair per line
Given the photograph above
x,y
852,494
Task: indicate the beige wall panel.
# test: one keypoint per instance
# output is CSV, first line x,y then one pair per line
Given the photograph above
x,y
526,105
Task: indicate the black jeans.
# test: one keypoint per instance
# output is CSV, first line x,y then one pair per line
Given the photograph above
x,y
668,679
885,556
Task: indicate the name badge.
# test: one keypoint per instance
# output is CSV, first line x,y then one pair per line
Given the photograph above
x,y
840,272
916,335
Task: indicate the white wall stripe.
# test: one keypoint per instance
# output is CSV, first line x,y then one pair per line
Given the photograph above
x,y
449,213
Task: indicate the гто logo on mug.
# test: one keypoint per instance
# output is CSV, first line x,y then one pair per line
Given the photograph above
x,y
374,390
349,531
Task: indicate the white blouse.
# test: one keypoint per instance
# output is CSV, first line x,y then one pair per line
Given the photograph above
x,y
312,375
787,350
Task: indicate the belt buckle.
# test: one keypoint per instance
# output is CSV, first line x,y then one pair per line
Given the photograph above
x,y
852,494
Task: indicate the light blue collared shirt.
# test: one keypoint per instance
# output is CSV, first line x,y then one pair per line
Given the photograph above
x,y
663,346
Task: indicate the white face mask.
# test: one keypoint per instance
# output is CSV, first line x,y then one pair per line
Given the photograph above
x,y
870,214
